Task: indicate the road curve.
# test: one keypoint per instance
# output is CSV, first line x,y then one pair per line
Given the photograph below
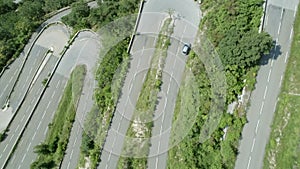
x,y
45,67
85,50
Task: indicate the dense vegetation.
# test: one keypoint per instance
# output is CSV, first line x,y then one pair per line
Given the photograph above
x,y
51,151
19,21
283,149
232,27
190,152
107,11
142,123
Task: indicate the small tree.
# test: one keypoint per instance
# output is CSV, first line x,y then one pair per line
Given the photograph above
x,y
44,82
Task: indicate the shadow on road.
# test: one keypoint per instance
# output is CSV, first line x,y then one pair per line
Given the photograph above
x,y
274,54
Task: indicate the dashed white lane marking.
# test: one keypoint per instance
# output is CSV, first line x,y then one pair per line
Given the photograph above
x,y
75,142
272,61
261,108
30,70
23,87
253,144
281,15
21,142
48,105
4,90
17,128
13,159
11,137
16,72
39,125
32,101
23,118
45,132
286,57
68,165
57,84
11,79
265,94
44,115
23,159
27,109
257,125
278,32
71,154
269,75
27,78
28,147
33,135
249,161
53,94
5,147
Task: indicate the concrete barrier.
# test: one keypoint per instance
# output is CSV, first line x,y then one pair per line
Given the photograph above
x,y
136,25
261,27
26,56
38,101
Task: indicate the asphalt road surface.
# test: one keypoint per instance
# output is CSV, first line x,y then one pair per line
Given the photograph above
x,y
280,16
23,155
85,50
81,52
52,34
186,9
184,32
142,51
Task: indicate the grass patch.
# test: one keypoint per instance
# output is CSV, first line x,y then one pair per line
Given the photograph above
x,y
51,151
283,149
142,123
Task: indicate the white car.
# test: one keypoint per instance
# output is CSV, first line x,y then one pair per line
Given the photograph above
x,y
186,48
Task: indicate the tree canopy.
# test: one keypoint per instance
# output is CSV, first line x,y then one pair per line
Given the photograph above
x,y
244,49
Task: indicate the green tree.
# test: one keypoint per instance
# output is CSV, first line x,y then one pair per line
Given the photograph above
x,y
7,6
244,49
32,10
42,149
77,17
